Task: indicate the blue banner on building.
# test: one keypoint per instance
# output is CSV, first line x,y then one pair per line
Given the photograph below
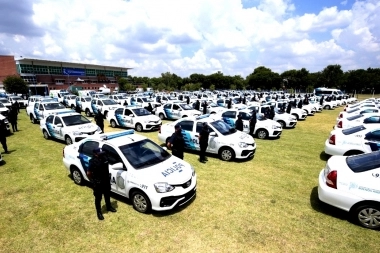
x,y
73,72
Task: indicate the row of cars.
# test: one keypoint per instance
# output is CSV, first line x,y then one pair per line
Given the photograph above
x,y
351,178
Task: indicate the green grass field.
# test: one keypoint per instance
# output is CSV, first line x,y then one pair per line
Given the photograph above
x,y
267,204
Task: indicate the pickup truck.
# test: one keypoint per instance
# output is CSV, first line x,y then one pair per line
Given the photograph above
x,y
41,110
22,102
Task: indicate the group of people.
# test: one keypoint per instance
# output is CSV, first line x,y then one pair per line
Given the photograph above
x,y
239,125
12,118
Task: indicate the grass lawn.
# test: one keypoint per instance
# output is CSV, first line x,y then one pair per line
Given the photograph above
x,y
267,204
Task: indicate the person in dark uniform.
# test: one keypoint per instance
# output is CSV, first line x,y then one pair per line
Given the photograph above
x,y
98,172
229,103
78,109
150,108
125,103
188,100
239,123
176,142
272,113
99,119
300,104
3,133
203,142
197,105
204,106
252,123
12,117
244,100
17,106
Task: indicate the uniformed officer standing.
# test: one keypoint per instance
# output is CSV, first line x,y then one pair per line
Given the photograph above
x,y
239,123
204,106
99,119
203,142
98,172
252,123
3,138
176,142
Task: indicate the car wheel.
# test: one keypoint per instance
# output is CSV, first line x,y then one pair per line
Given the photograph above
x,y
34,121
72,107
140,202
139,127
184,116
113,123
77,176
68,140
226,154
282,123
367,216
46,135
327,107
161,115
262,134
88,113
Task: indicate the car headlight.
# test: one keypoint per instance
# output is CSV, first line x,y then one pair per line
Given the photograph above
x,y
243,145
146,121
275,127
291,118
77,133
163,187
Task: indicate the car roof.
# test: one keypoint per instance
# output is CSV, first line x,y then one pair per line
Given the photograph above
x,y
118,138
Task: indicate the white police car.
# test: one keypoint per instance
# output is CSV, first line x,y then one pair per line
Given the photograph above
x,y
370,120
264,127
68,126
134,117
352,141
103,105
353,185
84,102
139,169
176,111
225,141
281,117
42,109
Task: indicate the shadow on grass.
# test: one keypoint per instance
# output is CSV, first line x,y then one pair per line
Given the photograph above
x,y
324,208
323,156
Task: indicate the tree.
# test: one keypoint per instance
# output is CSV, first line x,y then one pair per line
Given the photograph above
x,y
15,84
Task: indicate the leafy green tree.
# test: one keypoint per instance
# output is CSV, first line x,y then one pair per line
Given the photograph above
x,y
212,87
15,84
332,76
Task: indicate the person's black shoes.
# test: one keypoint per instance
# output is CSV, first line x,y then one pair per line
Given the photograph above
x,y
206,159
202,161
100,216
111,209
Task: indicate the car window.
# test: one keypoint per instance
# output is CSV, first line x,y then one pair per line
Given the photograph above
x,y
364,162
353,110
175,107
369,111
229,114
187,125
245,116
50,119
168,106
57,120
372,120
222,127
119,111
88,147
73,120
113,156
374,135
127,112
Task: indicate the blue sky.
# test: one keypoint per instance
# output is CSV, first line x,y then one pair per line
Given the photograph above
x,y
195,36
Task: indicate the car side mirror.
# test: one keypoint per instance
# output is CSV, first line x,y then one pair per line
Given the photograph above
x,y
59,125
131,115
213,134
116,166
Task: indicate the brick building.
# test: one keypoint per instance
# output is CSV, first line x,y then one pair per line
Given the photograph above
x,y
45,75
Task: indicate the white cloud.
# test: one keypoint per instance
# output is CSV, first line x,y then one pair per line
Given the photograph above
x,y
200,36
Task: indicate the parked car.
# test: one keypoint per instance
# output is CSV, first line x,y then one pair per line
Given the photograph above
x,y
353,185
176,111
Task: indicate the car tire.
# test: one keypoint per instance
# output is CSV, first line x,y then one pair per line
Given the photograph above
x,y
367,215
113,123
46,135
77,176
139,127
68,140
327,107
140,202
32,119
282,123
262,133
226,154
72,107
88,113
162,116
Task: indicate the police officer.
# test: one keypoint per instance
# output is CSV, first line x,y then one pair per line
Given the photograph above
x,y
12,117
99,119
188,100
229,103
204,106
239,123
176,142
98,172
197,105
252,123
78,109
3,133
203,142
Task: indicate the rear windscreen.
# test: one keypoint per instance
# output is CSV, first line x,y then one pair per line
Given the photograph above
x,y
353,110
353,130
364,162
355,117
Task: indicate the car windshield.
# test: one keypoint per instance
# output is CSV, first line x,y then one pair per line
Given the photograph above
x,y
364,162
223,127
87,99
172,98
144,153
4,101
355,117
54,106
186,107
109,102
146,100
73,120
71,97
260,117
141,111
353,110
353,130
16,98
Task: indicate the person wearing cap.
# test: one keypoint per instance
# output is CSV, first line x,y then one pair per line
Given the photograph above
x,y
176,142
239,123
203,142
98,172
99,119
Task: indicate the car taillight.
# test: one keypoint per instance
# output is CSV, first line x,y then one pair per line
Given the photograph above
x,y
331,179
332,139
340,124
63,153
341,115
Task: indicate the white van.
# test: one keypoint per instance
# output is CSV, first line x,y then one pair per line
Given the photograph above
x,y
58,94
327,92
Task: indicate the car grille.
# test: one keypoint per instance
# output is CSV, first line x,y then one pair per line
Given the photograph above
x,y
184,185
168,201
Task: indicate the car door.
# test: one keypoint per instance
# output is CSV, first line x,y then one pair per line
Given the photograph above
x,y
118,177
229,117
176,111
49,122
94,106
40,111
168,111
57,128
191,141
128,118
245,117
211,148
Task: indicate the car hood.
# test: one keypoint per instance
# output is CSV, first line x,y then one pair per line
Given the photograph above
x,y
172,171
85,128
150,117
